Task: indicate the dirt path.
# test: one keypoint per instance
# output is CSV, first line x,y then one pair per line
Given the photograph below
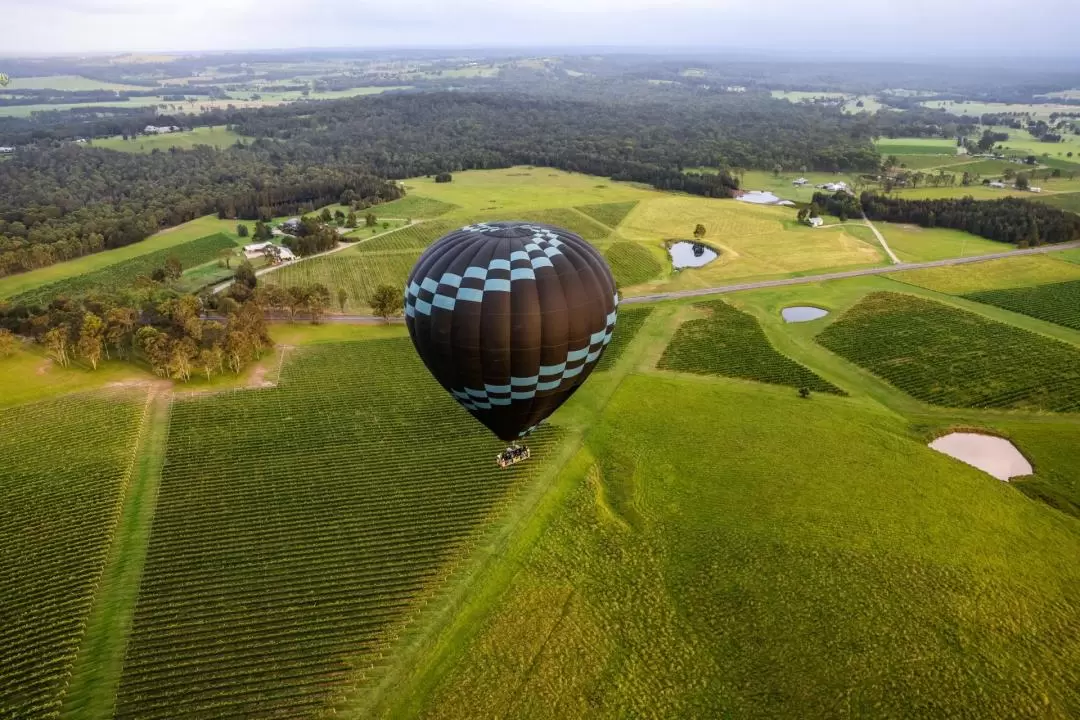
x,y
881,239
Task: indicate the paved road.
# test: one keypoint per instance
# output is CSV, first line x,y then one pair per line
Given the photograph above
x,y
808,279
719,290
881,239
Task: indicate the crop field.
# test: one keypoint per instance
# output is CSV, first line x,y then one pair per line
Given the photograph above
x,y
949,357
1055,455
411,206
722,552
217,136
996,274
122,274
610,214
297,526
412,239
572,220
729,342
171,237
359,274
1058,303
632,263
916,146
912,243
65,464
630,321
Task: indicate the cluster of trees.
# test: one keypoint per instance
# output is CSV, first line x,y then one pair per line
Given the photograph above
x,y
65,202
842,204
1010,220
166,331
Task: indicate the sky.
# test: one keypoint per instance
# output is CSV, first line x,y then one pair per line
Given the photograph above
x,y
912,29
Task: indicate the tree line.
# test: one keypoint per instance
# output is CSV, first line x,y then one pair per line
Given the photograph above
x,y
1010,220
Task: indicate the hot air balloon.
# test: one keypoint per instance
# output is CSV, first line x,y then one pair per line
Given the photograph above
x,y
511,318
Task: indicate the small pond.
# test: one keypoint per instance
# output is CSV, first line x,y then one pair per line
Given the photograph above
x,y
685,254
993,455
802,313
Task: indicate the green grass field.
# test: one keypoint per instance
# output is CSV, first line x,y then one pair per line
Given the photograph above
x,y
916,146
217,136
927,161
179,235
997,274
410,206
705,563
66,462
912,243
945,356
731,343
1064,201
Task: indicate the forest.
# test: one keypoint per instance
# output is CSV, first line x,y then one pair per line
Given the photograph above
x,y
60,201
68,201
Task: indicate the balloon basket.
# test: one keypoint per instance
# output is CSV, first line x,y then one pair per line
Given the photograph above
x,y
512,455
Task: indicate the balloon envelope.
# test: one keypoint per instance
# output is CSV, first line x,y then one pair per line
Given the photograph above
x,y
510,318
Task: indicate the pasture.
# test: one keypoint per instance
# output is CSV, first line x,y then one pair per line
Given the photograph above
x,y
946,356
743,557
217,136
996,274
752,240
912,243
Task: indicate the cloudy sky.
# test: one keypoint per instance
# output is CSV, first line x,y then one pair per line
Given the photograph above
x,y
898,28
